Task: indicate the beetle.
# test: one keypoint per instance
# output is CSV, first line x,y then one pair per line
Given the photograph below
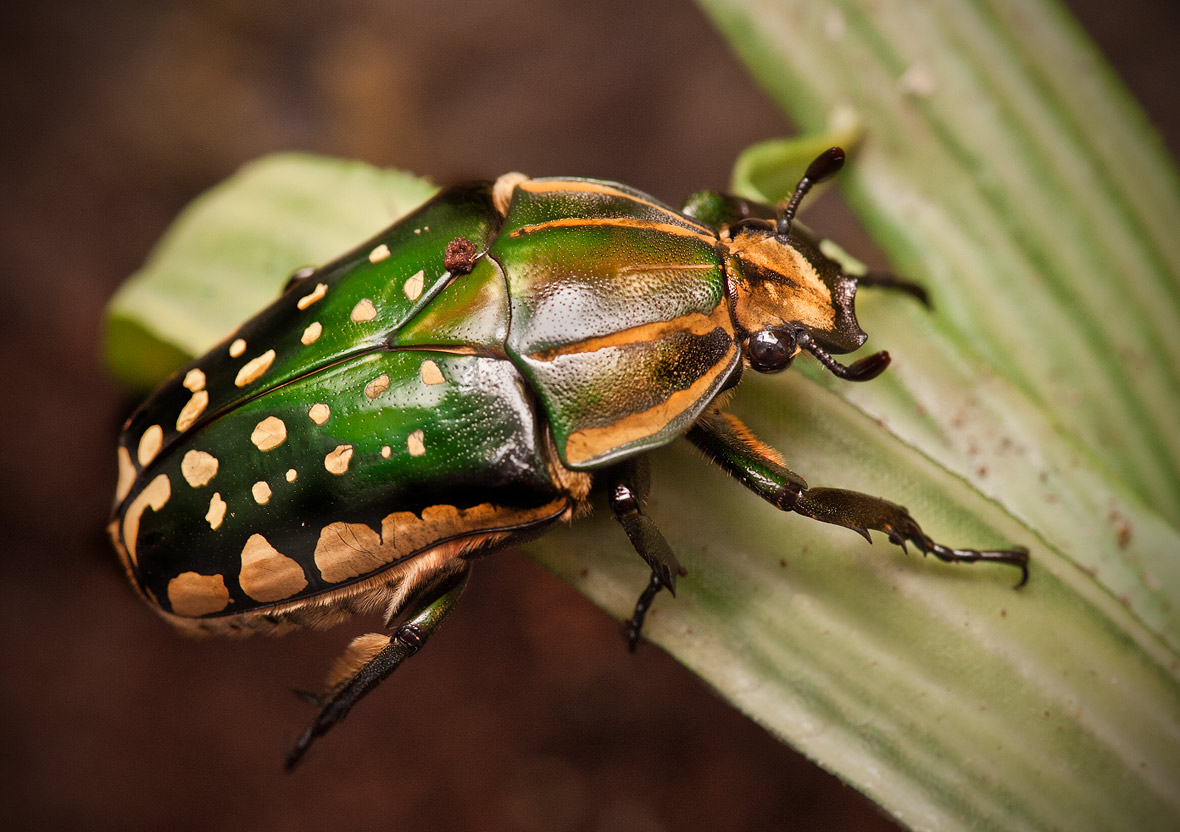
x,y
462,382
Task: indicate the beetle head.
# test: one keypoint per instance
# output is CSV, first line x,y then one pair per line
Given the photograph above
x,y
788,297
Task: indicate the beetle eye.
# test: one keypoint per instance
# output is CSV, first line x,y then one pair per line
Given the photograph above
x,y
771,350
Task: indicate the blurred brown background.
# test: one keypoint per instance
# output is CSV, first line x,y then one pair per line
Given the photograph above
x,y
527,713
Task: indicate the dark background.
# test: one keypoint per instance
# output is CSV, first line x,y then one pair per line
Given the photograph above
x,y
527,713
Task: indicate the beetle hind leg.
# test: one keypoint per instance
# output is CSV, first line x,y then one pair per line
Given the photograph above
x,y
370,658
628,490
729,443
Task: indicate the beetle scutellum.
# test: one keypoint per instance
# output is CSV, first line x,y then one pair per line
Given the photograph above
x,y
461,382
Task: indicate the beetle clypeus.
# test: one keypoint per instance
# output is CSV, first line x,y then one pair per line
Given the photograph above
x,y
460,383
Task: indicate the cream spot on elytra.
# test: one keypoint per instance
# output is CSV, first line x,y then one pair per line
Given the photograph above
x,y
192,594
268,575
269,433
347,550
149,444
216,511
198,468
311,297
194,380
237,347
192,410
363,311
336,462
261,492
413,287
312,332
156,494
386,451
377,386
415,443
430,373
292,474
319,413
378,254
253,369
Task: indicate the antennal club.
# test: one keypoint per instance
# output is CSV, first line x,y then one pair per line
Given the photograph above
x,y
867,368
822,168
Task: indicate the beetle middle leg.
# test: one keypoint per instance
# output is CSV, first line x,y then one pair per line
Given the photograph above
x,y
628,489
369,659
758,467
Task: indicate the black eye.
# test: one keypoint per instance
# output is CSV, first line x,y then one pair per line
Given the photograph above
x,y
771,350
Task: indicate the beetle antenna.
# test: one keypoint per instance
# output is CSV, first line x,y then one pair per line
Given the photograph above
x,y
867,368
822,168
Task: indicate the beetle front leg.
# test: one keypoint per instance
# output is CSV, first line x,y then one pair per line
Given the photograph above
x,y
758,467
888,280
370,658
629,489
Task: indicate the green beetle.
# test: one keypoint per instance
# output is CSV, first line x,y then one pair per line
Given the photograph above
x,y
461,382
